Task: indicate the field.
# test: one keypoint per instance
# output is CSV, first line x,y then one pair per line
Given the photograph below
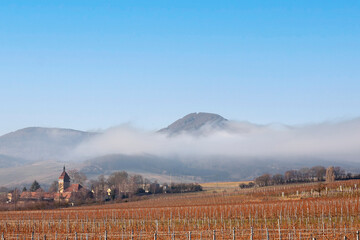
x,y
301,211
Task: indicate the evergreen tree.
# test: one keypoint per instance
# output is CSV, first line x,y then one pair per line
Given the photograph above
x,y
24,189
35,186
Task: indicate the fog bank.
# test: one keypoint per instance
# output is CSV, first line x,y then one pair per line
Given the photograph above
x,y
329,140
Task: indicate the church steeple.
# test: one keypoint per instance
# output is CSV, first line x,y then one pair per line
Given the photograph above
x,y
64,181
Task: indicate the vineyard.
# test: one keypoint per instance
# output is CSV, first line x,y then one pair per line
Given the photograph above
x,y
301,211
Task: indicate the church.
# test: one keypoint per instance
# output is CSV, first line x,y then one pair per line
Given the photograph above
x,y
66,191
64,183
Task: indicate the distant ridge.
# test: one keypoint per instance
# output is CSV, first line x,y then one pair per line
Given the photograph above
x,y
37,143
194,122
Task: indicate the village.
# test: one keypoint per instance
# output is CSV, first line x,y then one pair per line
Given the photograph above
x,y
119,186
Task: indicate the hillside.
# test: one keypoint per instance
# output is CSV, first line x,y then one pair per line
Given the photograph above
x,y
38,144
151,165
7,161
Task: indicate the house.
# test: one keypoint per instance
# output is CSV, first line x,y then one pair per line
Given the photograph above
x,y
9,197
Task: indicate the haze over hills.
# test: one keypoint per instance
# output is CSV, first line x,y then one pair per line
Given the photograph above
x,y
38,144
8,161
199,146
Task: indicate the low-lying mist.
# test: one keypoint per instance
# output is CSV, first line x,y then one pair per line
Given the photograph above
x,y
329,140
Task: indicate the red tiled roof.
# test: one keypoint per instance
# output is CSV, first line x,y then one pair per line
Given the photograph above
x,y
36,195
74,188
64,195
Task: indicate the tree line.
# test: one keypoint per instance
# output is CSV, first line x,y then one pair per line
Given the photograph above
x,y
303,175
117,186
120,185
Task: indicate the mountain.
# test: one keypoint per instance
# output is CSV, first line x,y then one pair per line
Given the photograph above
x,y
36,143
194,122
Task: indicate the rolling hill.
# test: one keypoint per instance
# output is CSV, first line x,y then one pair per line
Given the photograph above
x,y
39,144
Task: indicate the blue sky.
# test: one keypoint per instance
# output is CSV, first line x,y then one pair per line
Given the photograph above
x,y
95,64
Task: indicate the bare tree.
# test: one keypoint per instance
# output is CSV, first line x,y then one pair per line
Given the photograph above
x,y
119,181
54,187
3,197
278,179
318,172
77,177
339,173
15,196
291,176
82,196
304,174
99,188
263,180
330,174
135,182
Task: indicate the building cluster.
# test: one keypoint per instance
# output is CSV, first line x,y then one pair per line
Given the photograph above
x,y
67,192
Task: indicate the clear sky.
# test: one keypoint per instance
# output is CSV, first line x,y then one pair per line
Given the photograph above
x,y
95,64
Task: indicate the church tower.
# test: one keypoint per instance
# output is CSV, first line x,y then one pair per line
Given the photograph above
x,y
64,181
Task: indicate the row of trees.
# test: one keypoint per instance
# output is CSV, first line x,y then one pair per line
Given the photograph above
x,y
117,185
182,187
314,174
122,185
